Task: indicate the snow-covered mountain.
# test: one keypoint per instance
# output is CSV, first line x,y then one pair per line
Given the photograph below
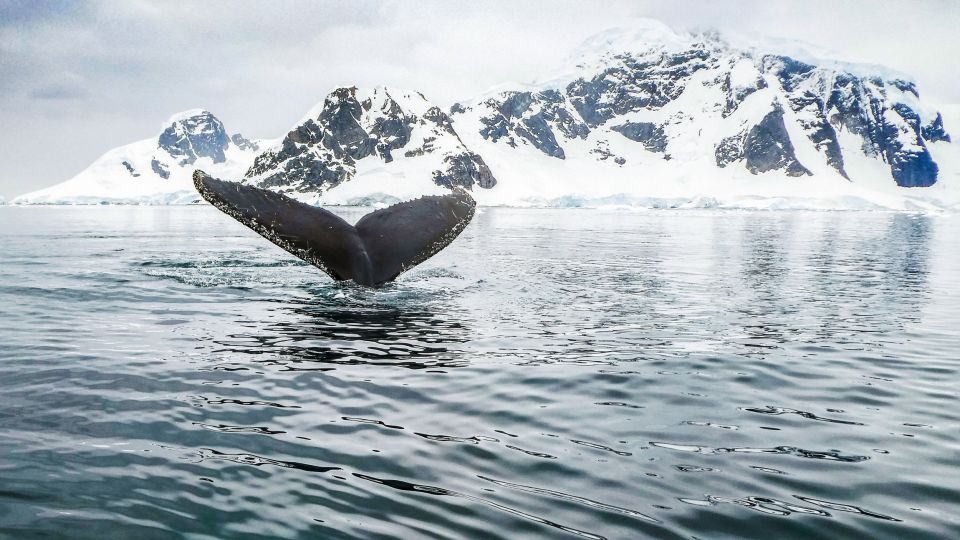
x,y
640,116
369,145
156,170
652,117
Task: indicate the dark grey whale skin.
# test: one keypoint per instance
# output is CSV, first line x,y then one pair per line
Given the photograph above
x,y
381,246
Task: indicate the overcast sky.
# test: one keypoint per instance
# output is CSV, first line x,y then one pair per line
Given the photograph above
x,y
79,78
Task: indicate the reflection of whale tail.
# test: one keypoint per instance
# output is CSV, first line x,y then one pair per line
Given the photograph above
x,y
381,245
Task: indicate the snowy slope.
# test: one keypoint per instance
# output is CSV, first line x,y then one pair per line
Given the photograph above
x,y
157,170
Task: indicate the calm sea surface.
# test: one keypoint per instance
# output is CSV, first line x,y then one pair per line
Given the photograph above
x,y
166,373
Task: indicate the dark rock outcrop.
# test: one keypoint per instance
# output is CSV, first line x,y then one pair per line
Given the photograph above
x,y
533,117
904,149
391,132
648,133
635,84
465,170
890,131
243,143
765,147
321,152
160,169
195,136
730,149
130,169
934,132
805,87
290,166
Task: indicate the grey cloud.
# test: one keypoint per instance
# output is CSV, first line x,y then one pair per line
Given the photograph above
x,y
21,12
57,91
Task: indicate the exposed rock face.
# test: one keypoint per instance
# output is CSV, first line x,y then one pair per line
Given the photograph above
x,y
805,87
890,130
635,83
465,170
353,125
533,117
243,143
767,147
133,172
730,149
904,149
934,131
190,139
879,111
160,169
197,134
650,134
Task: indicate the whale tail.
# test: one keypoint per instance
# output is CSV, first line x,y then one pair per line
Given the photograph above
x,y
381,246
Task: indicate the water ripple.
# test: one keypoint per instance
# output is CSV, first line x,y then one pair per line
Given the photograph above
x,y
702,374
829,455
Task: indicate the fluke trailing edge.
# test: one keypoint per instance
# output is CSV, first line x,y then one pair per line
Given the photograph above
x,y
381,246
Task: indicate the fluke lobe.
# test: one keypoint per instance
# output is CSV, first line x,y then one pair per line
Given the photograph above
x,y
381,246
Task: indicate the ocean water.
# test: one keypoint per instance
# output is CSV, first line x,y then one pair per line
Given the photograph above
x,y
166,373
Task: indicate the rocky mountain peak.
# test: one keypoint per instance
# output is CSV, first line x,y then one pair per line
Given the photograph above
x,y
193,134
354,124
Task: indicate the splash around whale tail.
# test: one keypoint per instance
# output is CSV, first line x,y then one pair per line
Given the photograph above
x,y
381,246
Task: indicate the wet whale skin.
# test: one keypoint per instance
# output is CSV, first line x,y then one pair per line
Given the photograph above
x,y
381,246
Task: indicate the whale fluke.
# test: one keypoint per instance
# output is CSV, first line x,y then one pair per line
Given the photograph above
x,y
381,246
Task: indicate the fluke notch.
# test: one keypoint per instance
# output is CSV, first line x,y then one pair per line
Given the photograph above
x,y
381,246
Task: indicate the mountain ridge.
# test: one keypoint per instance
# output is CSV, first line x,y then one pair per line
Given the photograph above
x,y
643,116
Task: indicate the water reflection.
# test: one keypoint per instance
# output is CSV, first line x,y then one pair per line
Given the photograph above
x,y
868,281
874,282
319,332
